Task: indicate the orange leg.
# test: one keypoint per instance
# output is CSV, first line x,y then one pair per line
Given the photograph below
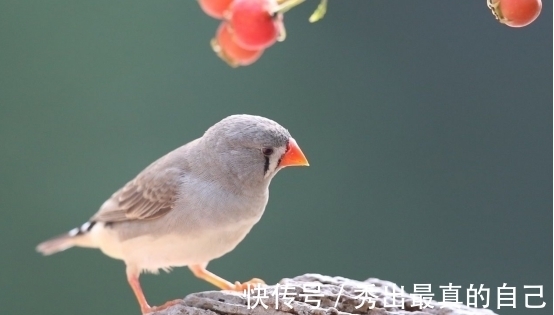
x,y
202,273
133,278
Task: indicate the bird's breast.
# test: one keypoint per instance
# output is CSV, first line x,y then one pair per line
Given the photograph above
x,y
206,204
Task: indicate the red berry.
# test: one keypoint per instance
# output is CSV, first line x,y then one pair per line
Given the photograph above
x,y
215,8
516,13
228,50
254,24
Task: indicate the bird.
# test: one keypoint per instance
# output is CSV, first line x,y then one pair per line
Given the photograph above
x,y
192,205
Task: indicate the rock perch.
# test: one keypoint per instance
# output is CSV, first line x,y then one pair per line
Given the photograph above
x,y
235,303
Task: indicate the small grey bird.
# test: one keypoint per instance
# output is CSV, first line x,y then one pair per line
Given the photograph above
x,y
192,205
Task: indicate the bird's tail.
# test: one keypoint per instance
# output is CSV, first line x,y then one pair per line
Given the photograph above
x,y
76,237
55,244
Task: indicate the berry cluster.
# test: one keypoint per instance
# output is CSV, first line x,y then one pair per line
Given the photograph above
x,y
248,27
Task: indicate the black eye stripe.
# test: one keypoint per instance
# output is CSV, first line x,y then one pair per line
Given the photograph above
x,y
266,165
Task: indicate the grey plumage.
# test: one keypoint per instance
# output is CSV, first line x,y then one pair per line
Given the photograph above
x,y
192,205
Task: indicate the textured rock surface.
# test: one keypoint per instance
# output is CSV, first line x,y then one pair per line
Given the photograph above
x,y
231,303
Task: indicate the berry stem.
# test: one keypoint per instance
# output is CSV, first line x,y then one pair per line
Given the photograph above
x,y
493,6
319,12
285,5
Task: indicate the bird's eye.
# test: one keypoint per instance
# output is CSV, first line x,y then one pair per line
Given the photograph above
x,y
267,151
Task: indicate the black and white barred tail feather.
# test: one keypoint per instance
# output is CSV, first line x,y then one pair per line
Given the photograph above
x,y
65,241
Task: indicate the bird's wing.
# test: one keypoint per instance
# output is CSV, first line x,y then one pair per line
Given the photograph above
x,y
150,195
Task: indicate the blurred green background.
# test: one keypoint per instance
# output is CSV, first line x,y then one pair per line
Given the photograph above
x,y
427,124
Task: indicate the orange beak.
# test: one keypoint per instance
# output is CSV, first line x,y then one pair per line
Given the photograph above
x,y
293,156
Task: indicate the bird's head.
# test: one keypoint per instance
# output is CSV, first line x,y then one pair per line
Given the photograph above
x,y
253,147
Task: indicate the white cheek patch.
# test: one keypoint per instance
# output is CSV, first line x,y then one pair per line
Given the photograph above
x,y
274,161
73,232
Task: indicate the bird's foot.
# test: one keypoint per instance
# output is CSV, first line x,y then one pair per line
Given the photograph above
x,y
248,284
162,307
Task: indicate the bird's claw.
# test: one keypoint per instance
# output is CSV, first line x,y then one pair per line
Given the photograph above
x,y
248,284
161,307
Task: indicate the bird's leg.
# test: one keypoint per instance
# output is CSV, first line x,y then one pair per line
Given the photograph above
x,y
133,278
202,273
